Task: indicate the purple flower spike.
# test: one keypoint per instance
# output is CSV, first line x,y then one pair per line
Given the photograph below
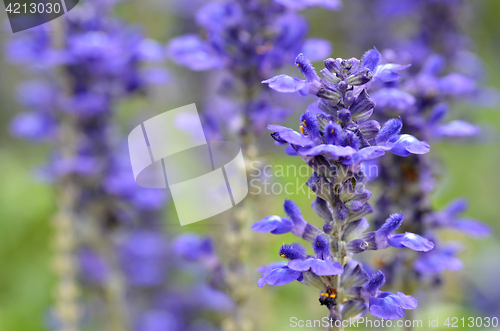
x,y
317,266
273,224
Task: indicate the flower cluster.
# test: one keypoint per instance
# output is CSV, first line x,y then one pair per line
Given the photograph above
x,y
336,137
443,74
109,243
249,40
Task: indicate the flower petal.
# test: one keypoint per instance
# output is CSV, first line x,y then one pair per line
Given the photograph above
x,y
290,136
473,228
386,72
412,241
408,144
273,224
285,83
332,150
367,153
279,277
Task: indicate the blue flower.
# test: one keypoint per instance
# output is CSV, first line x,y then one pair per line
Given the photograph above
x,y
384,236
273,224
279,277
386,305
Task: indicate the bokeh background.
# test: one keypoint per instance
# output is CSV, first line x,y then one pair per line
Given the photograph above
x,y
468,170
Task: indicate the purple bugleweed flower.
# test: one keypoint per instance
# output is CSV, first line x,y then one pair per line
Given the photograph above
x,y
336,136
443,73
247,41
112,223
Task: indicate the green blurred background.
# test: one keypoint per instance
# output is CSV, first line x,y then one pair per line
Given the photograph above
x,y
469,170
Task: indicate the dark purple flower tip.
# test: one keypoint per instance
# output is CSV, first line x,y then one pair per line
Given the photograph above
x,y
393,98
316,49
360,77
317,266
321,246
473,228
333,65
344,116
391,224
365,154
387,72
362,108
193,247
390,306
271,266
370,129
412,241
287,135
390,129
292,252
371,59
357,246
309,125
332,133
286,84
273,224
376,280
408,144
306,68
194,53
349,138
279,276
457,128
327,227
